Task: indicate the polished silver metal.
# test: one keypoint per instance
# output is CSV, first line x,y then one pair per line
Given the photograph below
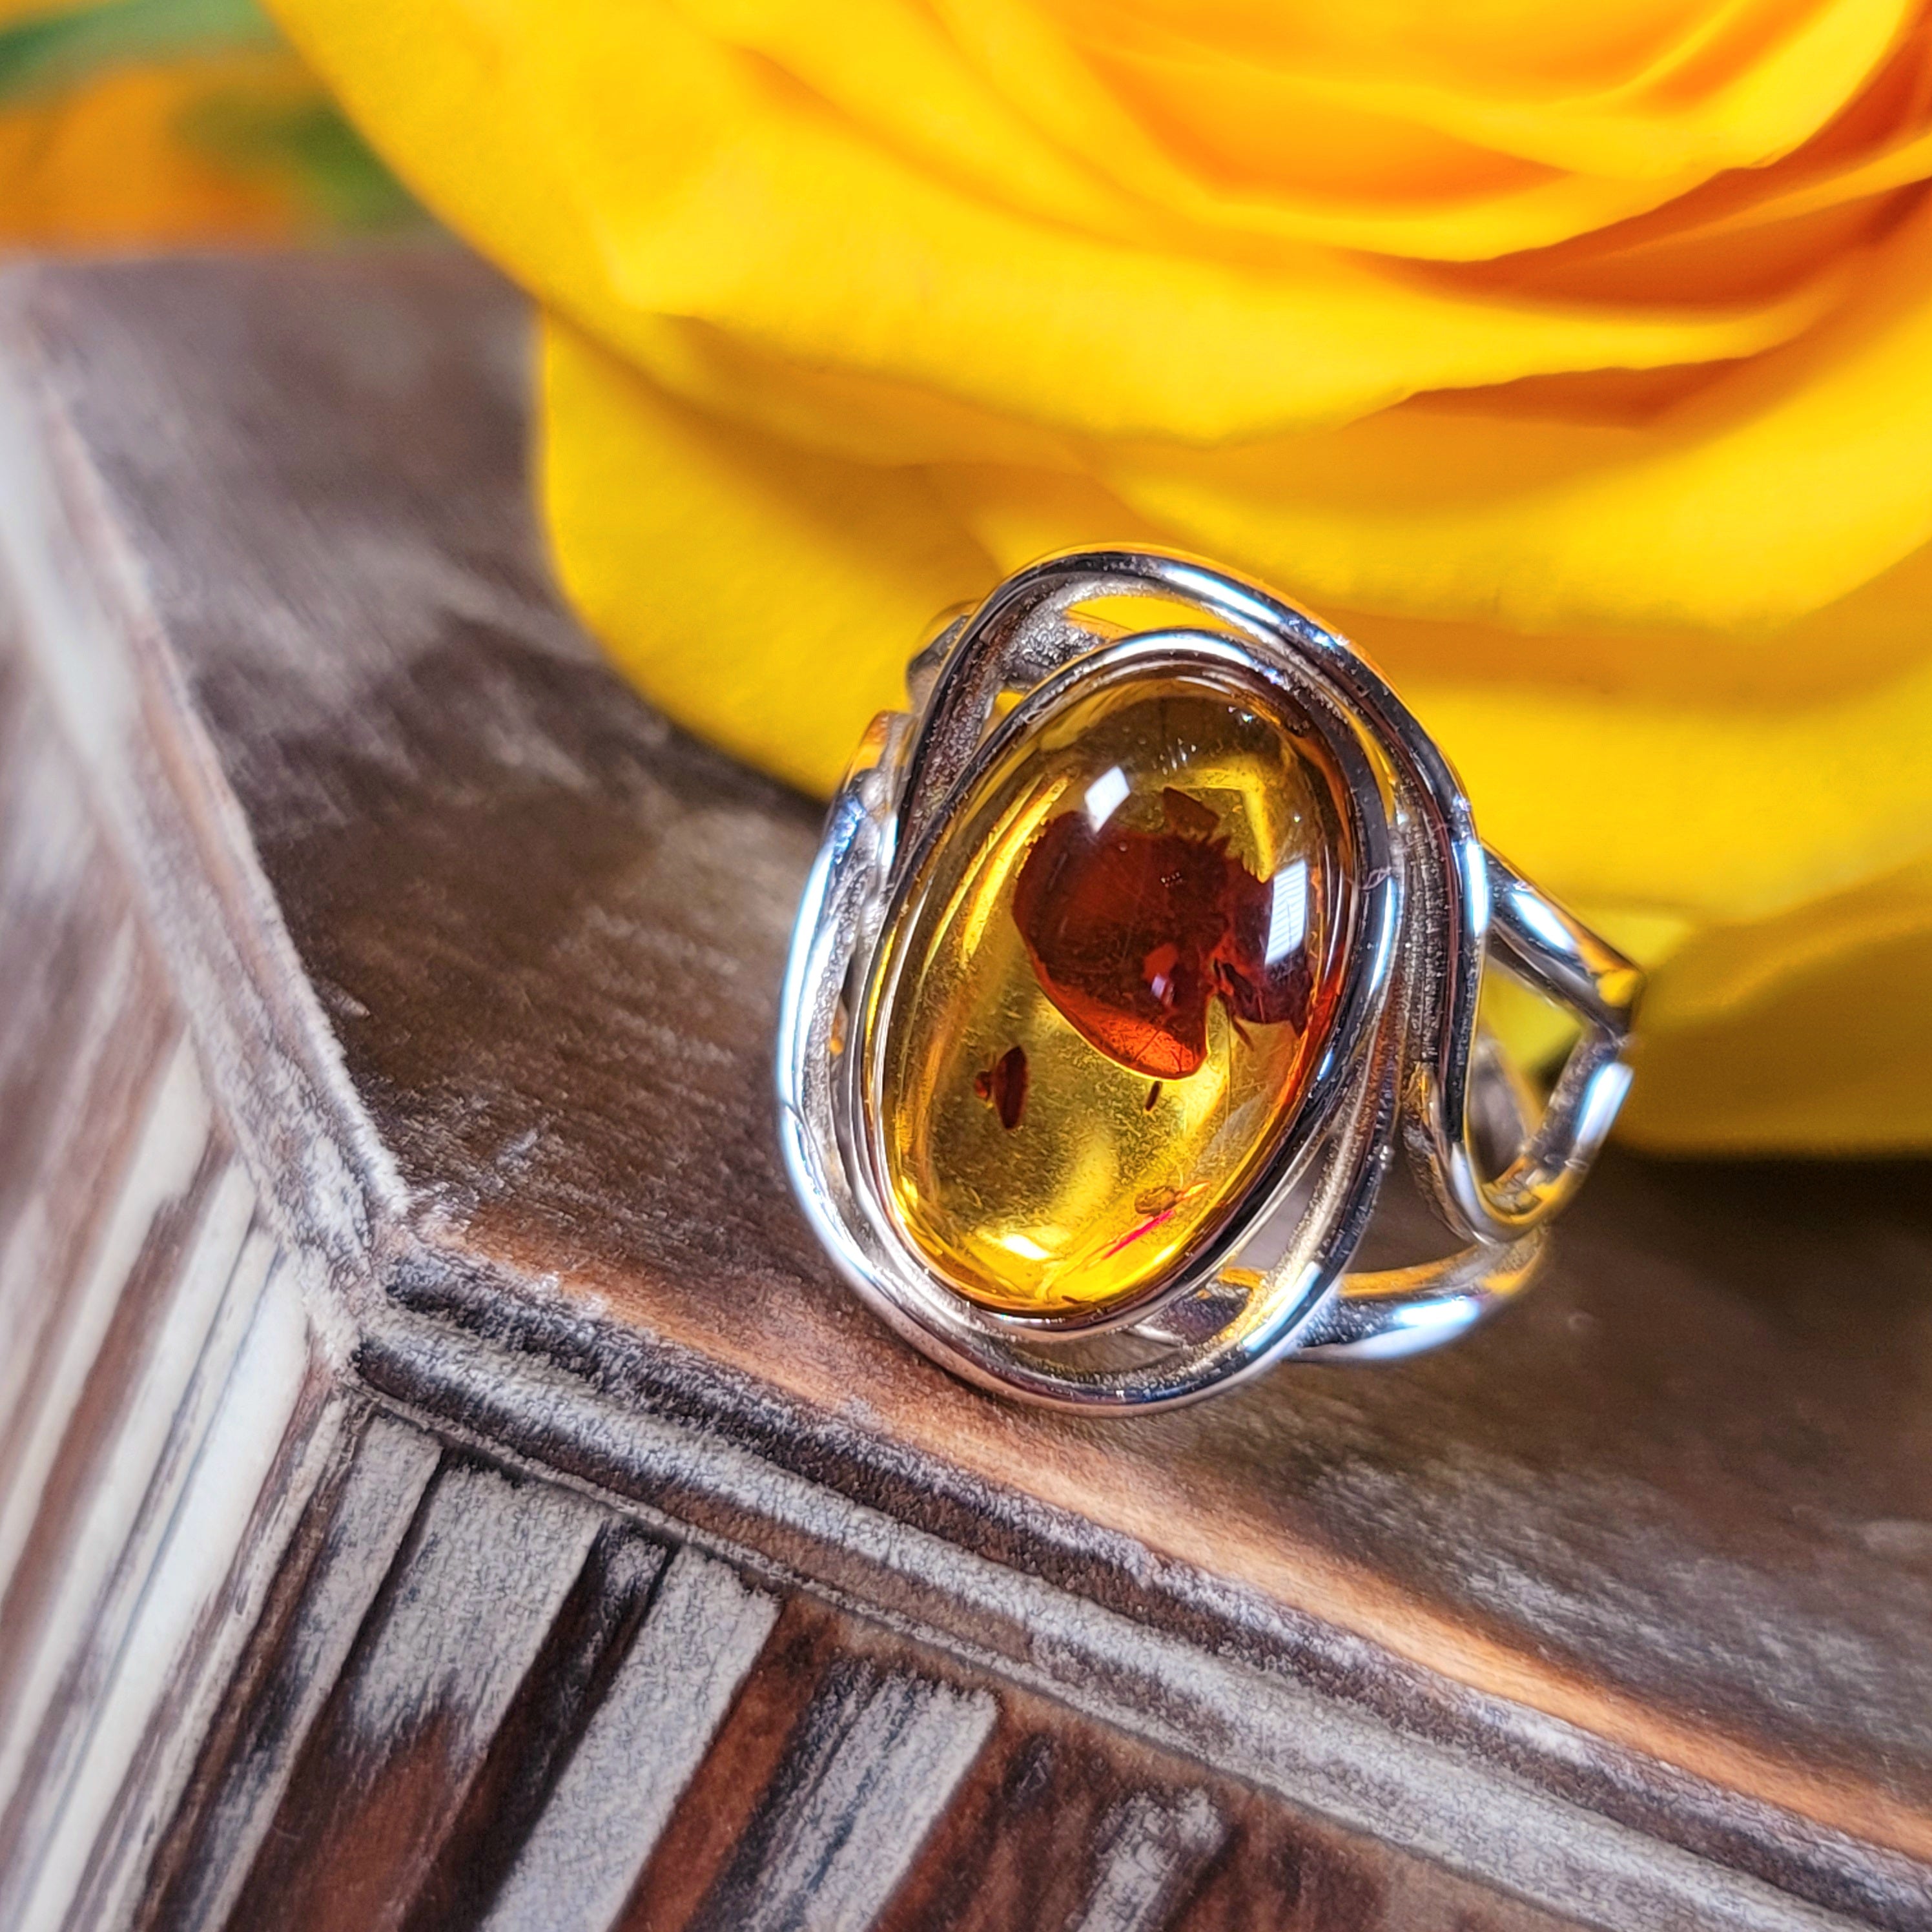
x,y
1405,1064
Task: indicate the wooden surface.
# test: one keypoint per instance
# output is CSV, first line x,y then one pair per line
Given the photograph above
x,y
1621,1607
161,1395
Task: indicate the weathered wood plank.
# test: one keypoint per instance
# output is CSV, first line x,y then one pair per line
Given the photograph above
x,y
1242,1706
1152,1853
65,905
341,1554
205,1535
96,1030
1060,1825
176,1163
383,1774
747,1756
639,1750
274,1436
515,1789
96,1559
867,1771
73,1116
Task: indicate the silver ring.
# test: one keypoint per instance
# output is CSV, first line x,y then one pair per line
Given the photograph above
x,y
1132,951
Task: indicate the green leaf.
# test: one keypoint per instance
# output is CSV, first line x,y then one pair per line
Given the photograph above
x,y
44,56
309,143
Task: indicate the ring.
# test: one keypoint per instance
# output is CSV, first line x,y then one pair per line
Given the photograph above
x,y
1132,951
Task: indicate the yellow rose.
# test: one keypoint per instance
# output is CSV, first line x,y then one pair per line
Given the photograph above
x,y
1576,361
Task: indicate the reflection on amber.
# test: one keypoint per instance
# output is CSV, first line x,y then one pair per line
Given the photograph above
x,y
1108,994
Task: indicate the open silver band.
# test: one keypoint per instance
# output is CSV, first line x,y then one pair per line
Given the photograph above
x,y
1405,1063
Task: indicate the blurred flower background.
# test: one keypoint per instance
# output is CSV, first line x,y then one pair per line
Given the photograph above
x,y
1576,361
174,122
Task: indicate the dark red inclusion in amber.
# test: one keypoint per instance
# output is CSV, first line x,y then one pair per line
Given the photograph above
x,y
1003,1086
1132,934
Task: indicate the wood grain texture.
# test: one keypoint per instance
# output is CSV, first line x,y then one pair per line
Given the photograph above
x,y
869,1768
159,1399
338,1560
1053,1825
516,1785
383,1775
639,1749
94,1551
218,1539
1619,1607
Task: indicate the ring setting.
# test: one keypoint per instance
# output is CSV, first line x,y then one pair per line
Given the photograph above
x,y
1133,952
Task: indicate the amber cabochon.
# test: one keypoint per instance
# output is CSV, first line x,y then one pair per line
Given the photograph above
x,y
1114,967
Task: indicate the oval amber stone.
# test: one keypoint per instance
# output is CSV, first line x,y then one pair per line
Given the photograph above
x,y
1110,985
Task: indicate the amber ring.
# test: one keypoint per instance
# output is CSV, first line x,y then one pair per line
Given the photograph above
x,y
1132,951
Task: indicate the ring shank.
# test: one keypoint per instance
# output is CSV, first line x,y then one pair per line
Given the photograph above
x,y
1375,1316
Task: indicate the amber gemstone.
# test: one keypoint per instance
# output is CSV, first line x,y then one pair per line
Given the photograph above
x,y
1109,990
